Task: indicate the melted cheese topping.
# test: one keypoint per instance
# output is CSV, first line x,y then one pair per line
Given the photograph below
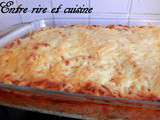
x,y
126,62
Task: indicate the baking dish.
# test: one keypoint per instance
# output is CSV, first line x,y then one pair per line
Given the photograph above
x,y
67,104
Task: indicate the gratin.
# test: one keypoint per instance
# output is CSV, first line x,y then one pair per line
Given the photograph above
x,y
117,61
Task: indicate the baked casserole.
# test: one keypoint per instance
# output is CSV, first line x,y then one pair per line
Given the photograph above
x,y
116,61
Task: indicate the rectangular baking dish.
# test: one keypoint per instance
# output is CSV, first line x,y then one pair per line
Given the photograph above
x,y
68,104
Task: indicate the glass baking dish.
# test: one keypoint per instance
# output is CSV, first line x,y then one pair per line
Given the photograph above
x,y
71,104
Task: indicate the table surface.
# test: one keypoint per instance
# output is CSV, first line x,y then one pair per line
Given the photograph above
x,y
17,114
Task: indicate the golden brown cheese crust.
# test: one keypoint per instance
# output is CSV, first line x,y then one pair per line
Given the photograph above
x,y
105,61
